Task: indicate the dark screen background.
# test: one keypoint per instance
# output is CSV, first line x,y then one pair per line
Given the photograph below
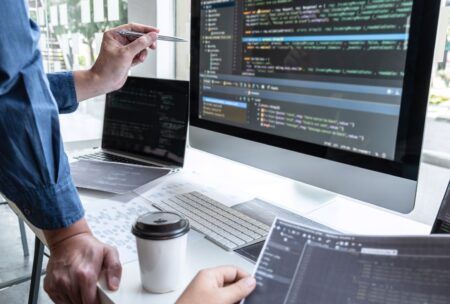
x,y
148,117
252,52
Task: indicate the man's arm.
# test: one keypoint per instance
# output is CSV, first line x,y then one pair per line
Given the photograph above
x,y
117,56
62,85
109,72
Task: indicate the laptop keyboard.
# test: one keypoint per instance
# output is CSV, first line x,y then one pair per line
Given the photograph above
x,y
102,156
224,226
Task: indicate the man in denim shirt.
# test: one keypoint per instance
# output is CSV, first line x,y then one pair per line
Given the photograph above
x,y
34,170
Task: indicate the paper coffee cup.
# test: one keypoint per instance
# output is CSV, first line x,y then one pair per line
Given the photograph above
x,y
161,239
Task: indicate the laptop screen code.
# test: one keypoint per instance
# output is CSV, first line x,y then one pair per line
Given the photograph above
x,y
148,117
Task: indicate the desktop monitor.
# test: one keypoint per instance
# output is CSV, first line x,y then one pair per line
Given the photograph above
x,y
332,93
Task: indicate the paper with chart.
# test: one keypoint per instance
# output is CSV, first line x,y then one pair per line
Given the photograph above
x,y
111,223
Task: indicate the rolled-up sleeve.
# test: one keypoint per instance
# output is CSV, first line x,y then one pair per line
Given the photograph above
x,y
62,86
34,170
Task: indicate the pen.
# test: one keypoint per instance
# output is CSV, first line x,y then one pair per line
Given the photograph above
x,y
136,35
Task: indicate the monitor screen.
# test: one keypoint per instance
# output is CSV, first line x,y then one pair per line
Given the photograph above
x,y
326,72
148,117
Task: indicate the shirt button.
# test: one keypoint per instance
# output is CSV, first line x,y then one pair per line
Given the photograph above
x,y
27,211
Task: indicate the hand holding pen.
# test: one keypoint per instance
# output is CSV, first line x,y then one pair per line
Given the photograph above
x,y
132,35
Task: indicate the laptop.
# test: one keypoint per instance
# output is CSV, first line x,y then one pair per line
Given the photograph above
x,y
442,222
145,124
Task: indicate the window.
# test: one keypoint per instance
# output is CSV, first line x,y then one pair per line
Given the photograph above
x,y
183,29
71,39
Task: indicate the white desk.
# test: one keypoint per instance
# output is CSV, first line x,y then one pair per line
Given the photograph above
x,y
239,183
201,254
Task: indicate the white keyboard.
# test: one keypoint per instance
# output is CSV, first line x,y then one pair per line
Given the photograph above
x,y
224,226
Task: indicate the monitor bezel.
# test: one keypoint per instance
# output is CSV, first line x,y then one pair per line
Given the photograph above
x,y
419,61
157,84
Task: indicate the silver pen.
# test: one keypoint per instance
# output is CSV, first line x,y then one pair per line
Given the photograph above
x,y
135,35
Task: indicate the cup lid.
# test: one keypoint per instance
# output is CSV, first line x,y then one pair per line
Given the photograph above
x,y
160,226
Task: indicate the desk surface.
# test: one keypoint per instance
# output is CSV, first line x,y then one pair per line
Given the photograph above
x,y
200,254
238,183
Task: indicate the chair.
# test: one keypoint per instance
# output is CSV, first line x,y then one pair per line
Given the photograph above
x,y
37,272
23,233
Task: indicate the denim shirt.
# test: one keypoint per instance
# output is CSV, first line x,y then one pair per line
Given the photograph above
x,y
34,170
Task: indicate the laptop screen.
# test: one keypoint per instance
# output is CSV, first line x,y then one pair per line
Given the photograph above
x,y
442,223
148,118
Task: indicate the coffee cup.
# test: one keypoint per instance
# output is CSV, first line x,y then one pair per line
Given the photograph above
x,y
161,239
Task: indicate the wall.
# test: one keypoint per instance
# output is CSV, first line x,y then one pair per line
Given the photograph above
x,y
160,13
183,30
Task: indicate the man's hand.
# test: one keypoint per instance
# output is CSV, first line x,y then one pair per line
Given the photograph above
x,y
117,55
222,285
77,259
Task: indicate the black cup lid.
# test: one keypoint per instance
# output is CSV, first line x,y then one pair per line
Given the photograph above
x,y
160,226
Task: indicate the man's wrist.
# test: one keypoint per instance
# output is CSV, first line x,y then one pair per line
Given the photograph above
x,y
89,84
55,237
